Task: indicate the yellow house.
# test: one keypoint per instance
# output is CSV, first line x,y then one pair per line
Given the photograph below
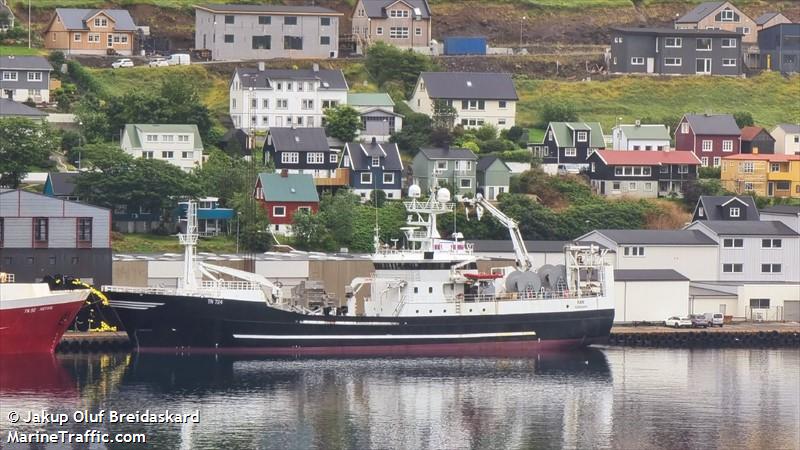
x,y
762,174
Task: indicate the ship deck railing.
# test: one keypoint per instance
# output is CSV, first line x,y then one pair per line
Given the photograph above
x,y
205,288
6,277
512,296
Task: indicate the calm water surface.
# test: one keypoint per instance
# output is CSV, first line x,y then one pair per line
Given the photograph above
x,y
607,398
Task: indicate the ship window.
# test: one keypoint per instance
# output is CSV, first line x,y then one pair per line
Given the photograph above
x,y
430,311
430,290
416,291
40,229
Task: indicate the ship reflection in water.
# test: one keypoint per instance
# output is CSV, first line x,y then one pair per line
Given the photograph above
x,y
614,398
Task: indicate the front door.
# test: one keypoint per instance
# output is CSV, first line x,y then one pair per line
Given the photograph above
x,y
770,189
110,40
651,65
703,66
491,192
722,308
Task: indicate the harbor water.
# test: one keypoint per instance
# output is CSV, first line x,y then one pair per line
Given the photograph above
x,y
627,398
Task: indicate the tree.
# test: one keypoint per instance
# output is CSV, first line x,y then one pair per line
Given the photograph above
x,y
557,112
515,134
224,176
416,133
743,119
441,137
486,132
693,189
444,115
342,122
336,213
253,224
388,63
24,145
310,233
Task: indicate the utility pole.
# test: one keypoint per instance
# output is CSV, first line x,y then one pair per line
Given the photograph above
x,y
521,26
29,23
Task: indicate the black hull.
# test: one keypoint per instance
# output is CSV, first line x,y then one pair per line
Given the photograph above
x,y
163,323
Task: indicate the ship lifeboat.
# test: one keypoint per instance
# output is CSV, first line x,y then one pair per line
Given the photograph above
x,y
483,276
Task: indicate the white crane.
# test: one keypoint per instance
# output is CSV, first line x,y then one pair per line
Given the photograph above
x,y
523,259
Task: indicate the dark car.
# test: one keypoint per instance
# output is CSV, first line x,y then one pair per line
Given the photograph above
x,y
699,320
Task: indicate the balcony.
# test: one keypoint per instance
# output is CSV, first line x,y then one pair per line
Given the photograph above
x,y
340,177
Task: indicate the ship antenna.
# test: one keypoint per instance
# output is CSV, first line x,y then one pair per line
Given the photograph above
x,y
189,240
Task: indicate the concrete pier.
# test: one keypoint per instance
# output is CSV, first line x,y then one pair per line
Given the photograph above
x,y
747,334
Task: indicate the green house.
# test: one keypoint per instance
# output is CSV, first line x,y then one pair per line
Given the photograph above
x,y
453,167
494,177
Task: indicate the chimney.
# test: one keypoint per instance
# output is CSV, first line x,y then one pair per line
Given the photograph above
x,y
315,67
284,173
374,141
261,66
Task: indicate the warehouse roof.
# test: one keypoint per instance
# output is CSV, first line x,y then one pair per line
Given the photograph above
x,y
657,237
648,275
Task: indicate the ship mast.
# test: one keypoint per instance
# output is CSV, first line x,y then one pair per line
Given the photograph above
x,y
189,241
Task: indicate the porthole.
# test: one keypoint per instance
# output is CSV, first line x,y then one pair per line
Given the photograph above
x,y
470,310
417,311
484,310
430,290
444,311
430,311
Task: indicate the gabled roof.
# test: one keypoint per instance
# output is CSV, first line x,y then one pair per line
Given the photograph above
x,y
361,154
75,18
750,133
648,275
748,227
25,63
469,85
700,12
268,9
263,79
717,124
62,183
487,161
645,158
448,153
370,99
657,237
292,187
377,8
299,139
562,131
645,131
790,128
766,17
134,130
6,8
787,210
712,205
10,108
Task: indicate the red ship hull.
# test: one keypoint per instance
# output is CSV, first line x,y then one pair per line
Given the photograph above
x,y
35,325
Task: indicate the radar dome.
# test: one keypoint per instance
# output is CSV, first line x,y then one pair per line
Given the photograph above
x,y
414,191
443,195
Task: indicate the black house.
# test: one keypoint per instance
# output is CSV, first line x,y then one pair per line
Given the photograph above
x,y
757,140
570,142
725,207
300,150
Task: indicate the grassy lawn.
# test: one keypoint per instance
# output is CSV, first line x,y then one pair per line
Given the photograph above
x,y
9,50
156,243
769,97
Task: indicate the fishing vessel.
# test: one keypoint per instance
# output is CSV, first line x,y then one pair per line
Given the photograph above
x,y
34,316
426,297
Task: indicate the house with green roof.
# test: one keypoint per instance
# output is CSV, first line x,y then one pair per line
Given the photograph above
x,y
378,119
569,144
647,137
444,166
282,195
178,144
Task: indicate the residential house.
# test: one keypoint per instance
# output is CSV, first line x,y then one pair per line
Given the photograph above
x,y
454,167
262,98
61,185
765,175
494,177
10,108
769,19
787,139
788,214
725,207
25,78
282,195
374,166
518,168
570,143
6,17
236,32
212,220
378,119
306,151
757,140
723,15
42,235
640,173
478,98
640,137
177,144
762,251
402,23
90,31
709,136
779,47
664,51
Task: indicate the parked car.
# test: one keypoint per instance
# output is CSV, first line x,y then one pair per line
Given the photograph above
x,y
124,62
698,321
564,169
678,322
179,59
715,319
158,62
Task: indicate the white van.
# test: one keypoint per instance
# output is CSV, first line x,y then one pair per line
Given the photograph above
x,y
715,319
179,59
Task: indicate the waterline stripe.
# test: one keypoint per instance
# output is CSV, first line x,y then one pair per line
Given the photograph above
x,y
344,322
383,336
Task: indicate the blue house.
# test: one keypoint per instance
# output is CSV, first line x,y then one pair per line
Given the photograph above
x,y
61,185
211,219
374,165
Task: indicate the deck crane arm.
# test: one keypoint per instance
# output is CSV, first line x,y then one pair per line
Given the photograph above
x,y
523,259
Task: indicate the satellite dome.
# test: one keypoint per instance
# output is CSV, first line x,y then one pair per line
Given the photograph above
x,y
414,191
443,195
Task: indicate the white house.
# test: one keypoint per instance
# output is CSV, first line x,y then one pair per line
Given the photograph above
x,y
640,137
787,139
262,98
178,144
478,98
788,214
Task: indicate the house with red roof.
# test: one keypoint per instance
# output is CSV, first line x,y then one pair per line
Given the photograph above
x,y
640,173
757,140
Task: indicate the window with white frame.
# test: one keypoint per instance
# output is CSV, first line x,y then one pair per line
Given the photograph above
x,y
685,128
703,44
290,157
376,161
704,161
708,145
771,243
183,138
466,183
673,42
648,186
398,13
9,76
717,161
398,32
167,155
735,212
583,136
418,31
673,61
637,60
332,158
748,167
76,37
733,242
366,178
632,186
166,138
748,186
615,186
570,151
770,268
727,15
151,138
729,62
307,104
732,268
282,103
278,211
315,157
683,169
93,38
388,178
728,43
727,146
379,31
100,22
633,251
187,155
441,165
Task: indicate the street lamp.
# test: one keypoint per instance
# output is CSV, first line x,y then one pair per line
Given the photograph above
x,y
521,26
80,143
238,217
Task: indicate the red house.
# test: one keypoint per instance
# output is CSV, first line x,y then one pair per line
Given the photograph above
x,y
709,136
282,195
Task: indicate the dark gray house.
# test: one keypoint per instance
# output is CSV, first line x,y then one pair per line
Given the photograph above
x,y
10,108
757,140
24,78
374,166
305,151
779,46
725,207
666,51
